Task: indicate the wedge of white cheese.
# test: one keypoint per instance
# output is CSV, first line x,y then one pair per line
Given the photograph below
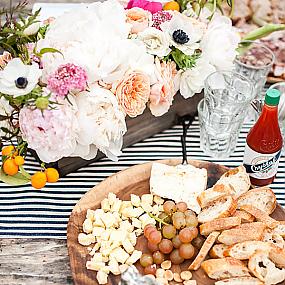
x,y
178,183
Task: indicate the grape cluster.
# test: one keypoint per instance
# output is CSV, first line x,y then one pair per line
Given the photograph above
x,y
175,238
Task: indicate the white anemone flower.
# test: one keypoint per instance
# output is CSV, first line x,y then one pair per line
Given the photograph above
x,y
184,33
18,79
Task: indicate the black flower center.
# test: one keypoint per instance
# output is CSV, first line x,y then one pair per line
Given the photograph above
x,y
21,82
180,37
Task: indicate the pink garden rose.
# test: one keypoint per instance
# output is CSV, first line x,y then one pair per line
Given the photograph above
x,y
152,7
132,92
4,59
163,91
139,18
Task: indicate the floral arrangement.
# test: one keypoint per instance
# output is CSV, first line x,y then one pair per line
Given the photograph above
x,y
67,84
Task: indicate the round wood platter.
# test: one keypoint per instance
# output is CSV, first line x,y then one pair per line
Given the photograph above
x,y
132,180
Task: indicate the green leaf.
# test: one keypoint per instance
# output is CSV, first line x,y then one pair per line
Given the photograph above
x,y
17,179
263,31
182,60
24,172
47,50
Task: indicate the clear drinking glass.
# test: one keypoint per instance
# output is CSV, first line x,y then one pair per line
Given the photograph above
x,y
254,62
222,112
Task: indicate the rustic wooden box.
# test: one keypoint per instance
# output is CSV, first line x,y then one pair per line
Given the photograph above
x,y
139,128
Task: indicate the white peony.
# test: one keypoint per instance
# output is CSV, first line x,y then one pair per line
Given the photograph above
x,y
220,42
18,79
192,80
156,41
184,33
101,124
5,111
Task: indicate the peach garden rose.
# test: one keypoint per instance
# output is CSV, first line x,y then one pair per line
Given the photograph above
x,y
139,19
133,92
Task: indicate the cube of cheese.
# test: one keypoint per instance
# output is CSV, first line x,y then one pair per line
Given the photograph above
x,y
119,254
146,219
123,267
108,220
98,231
105,269
90,215
125,204
127,226
133,238
95,248
106,234
98,213
138,212
155,210
98,222
97,257
102,277
105,205
136,223
147,199
114,266
135,200
112,198
94,265
118,235
105,258
127,245
115,244
85,239
146,207
116,206
136,255
158,200
138,232
127,212
88,226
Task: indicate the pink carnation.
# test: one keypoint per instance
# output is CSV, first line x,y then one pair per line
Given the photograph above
x,y
152,7
68,77
160,17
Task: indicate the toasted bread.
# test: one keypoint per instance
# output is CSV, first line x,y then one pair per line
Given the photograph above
x,y
272,237
238,179
220,208
260,215
243,232
277,255
207,245
262,198
244,250
280,229
245,216
214,193
219,225
224,268
218,250
240,281
264,269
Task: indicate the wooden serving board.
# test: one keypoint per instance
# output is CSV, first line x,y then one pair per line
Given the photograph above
x,y
132,180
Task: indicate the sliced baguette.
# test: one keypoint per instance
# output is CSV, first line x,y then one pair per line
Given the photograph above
x,y
214,193
273,238
245,216
264,269
236,178
262,198
277,255
224,268
219,225
260,215
244,250
220,208
280,229
207,245
240,281
218,250
243,232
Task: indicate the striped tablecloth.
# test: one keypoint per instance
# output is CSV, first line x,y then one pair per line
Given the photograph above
x,y
26,212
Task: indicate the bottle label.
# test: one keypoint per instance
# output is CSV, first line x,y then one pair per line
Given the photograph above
x,y
261,165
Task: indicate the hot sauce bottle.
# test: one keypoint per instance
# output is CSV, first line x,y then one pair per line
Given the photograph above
x,y
264,143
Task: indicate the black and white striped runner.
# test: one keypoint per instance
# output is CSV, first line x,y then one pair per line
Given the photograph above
x,y
26,212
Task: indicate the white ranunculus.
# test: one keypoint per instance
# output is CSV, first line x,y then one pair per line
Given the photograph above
x,y
101,123
5,110
18,79
220,42
32,29
192,80
156,41
191,29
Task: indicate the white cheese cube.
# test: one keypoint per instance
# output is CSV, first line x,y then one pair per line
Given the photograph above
x,y
126,226
138,212
146,219
147,199
85,239
158,200
156,210
123,268
102,277
136,223
116,206
108,219
90,214
105,269
146,207
114,266
133,238
98,231
119,254
97,257
118,235
135,200
95,248
115,244
105,258
87,226
98,213
127,245
105,205
112,198
98,222
125,204
106,234
127,212
138,232
136,255
94,265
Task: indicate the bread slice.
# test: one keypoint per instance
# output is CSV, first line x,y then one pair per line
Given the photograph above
x,y
244,250
280,228
218,250
243,232
214,193
264,269
240,281
224,268
262,198
273,238
236,178
260,215
277,255
220,208
219,225
207,245
245,216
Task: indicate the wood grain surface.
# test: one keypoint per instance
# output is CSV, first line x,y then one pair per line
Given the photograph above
x,y
133,180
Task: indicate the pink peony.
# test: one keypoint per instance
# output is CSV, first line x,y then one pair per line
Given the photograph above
x,y
163,91
152,7
67,78
139,19
133,92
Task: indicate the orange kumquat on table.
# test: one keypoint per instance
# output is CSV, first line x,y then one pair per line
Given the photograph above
x,y
172,5
39,180
10,167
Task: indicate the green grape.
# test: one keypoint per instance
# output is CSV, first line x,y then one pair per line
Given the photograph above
x,y
150,269
164,217
186,250
175,257
189,213
168,231
198,242
146,259
181,207
191,221
165,246
188,234
169,207
158,257
155,237
178,220
176,242
152,247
